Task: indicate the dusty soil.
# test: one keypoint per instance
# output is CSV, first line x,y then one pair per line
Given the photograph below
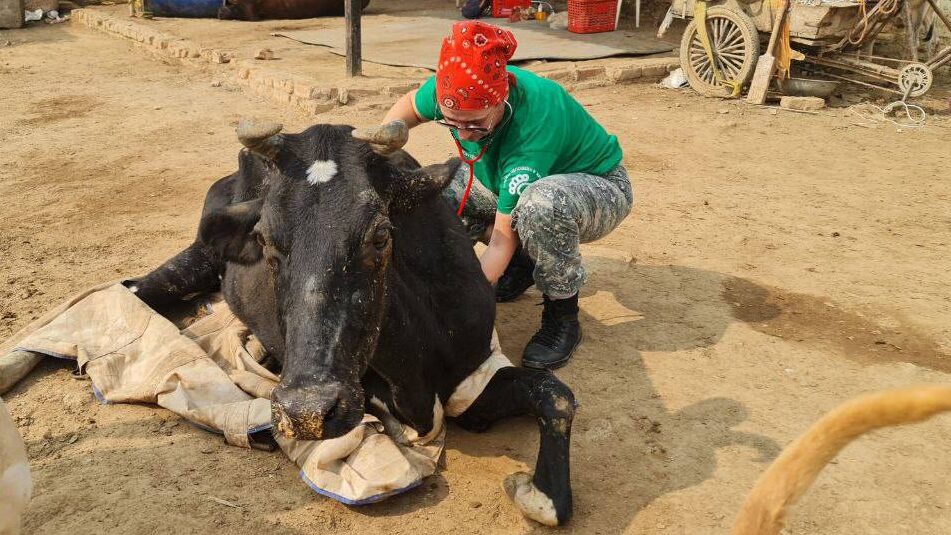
x,y
775,265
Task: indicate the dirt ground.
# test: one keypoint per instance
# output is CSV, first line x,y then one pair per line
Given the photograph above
x,y
775,265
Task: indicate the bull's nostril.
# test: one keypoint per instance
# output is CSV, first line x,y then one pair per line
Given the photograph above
x,y
312,413
283,422
329,416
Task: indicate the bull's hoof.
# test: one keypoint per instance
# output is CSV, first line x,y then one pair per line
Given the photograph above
x,y
533,503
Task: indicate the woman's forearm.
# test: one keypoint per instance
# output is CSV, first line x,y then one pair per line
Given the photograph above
x,y
404,110
501,247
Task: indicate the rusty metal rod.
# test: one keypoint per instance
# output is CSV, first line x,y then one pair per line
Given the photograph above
x,y
882,58
866,84
940,59
886,74
940,14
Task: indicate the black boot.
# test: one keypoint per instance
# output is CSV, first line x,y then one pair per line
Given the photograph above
x,y
517,277
560,334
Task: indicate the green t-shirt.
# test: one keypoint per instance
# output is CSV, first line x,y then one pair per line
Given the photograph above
x,y
548,133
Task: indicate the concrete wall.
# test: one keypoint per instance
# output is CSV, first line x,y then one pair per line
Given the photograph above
x,y
11,13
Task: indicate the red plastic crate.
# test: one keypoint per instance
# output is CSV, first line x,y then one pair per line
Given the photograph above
x,y
592,16
503,8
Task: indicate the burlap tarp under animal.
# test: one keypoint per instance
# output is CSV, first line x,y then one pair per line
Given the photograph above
x,y
15,482
209,373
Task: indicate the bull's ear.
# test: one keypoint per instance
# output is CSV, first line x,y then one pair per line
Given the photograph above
x,y
230,231
403,160
415,186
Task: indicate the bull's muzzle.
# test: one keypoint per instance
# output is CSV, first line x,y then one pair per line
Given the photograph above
x,y
315,413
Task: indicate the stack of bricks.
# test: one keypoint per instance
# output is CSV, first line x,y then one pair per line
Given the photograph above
x,y
576,78
276,86
313,97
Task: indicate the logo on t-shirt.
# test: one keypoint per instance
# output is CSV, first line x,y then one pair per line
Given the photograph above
x,y
518,184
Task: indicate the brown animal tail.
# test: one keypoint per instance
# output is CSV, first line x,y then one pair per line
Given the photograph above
x,y
791,474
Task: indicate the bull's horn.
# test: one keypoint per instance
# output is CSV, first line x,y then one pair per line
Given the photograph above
x,y
263,138
385,138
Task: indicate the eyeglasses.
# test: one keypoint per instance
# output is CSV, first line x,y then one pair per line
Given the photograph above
x,y
470,127
463,127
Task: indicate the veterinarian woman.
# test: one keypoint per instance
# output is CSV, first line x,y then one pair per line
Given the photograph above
x,y
547,175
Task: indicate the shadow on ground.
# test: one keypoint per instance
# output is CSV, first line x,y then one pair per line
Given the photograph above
x,y
629,448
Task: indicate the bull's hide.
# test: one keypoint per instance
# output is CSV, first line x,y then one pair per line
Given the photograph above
x,y
210,374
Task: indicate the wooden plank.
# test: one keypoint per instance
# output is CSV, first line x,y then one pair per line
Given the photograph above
x,y
911,33
767,62
352,13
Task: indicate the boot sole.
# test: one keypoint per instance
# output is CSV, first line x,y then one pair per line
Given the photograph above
x,y
558,363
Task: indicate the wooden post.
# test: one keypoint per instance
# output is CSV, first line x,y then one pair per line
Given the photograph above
x,y
911,32
352,9
11,14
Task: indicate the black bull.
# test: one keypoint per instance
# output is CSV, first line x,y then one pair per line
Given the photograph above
x,y
360,282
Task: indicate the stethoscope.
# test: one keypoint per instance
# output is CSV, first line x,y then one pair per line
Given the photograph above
x,y
471,162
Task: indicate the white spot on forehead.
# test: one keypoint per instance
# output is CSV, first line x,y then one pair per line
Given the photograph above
x,y
321,171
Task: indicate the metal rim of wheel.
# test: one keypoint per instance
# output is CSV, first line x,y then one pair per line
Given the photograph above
x,y
735,43
917,76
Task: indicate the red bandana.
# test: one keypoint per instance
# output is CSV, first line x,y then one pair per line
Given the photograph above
x,y
471,73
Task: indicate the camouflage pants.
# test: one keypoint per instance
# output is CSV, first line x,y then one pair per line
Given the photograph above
x,y
553,216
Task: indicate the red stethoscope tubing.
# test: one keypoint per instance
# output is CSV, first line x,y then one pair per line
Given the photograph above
x,y
462,155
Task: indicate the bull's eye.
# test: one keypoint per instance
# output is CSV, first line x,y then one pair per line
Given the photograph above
x,y
381,238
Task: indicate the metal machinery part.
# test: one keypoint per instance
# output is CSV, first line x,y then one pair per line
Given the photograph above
x,y
915,79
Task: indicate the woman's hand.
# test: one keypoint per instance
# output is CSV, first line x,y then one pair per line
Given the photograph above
x,y
502,246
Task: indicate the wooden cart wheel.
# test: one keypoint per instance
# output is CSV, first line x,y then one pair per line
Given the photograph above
x,y
735,44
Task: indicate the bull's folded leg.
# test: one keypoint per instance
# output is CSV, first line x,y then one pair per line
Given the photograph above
x,y
194,270
545,496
